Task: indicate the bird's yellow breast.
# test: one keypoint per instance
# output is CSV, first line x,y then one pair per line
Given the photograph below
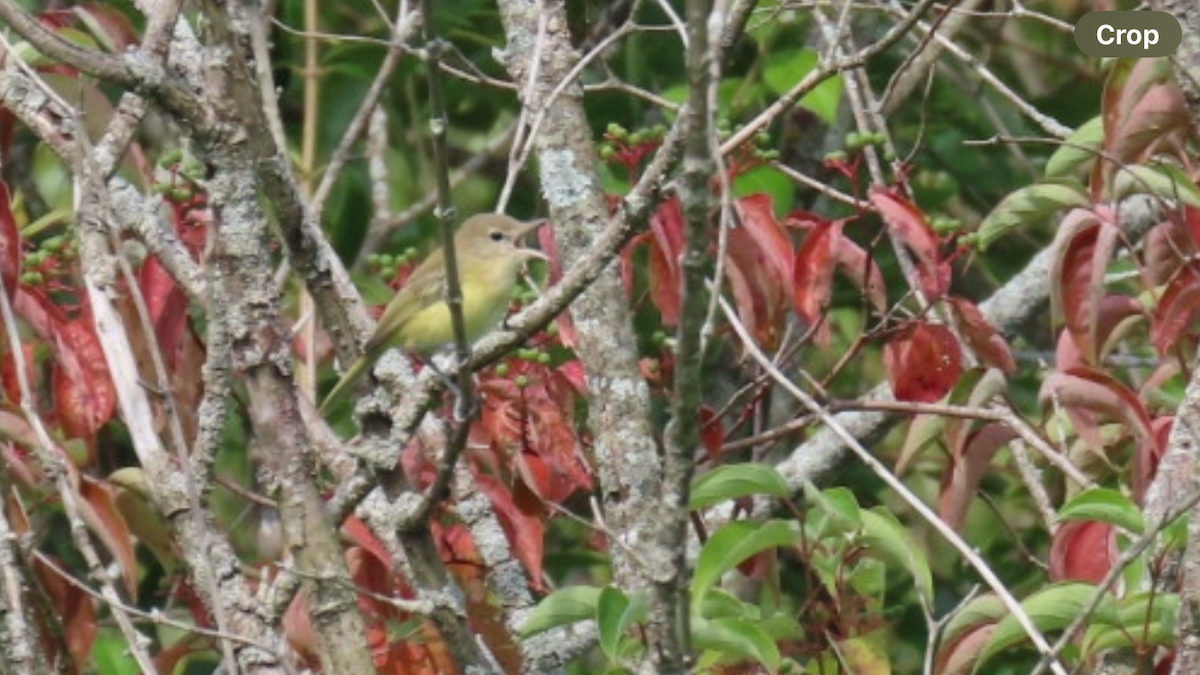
x,y
486,291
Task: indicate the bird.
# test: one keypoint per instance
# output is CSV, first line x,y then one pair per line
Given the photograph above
x,y
418,320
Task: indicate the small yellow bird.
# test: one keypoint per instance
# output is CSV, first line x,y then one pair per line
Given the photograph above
x,y
417,320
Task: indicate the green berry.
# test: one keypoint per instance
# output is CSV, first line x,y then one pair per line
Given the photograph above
x,y
32,278
617,131
521,381
607,152
170,157
502,370
543,358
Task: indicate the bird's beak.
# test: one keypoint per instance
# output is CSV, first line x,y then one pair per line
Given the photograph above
x,y
531,253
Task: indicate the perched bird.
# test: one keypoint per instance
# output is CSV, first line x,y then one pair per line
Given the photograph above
x,y
418,321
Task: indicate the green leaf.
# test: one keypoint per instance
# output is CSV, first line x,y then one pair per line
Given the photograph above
x,y
562,607
615,615
110,655
839,506
769,180
787,68
736,638
1165,181
894,544
733,544
1052,609
719,603
1081,146
1030,203
1104,505
1144,619
734,481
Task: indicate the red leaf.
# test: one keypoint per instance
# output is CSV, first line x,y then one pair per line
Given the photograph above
x,y
757,216
923,363
1177,310
909,223
549,245
1077,277
812,283
667,226
83,392
357,532
10,244
712,433
1082,551
524,528
987,344
167,306
664,285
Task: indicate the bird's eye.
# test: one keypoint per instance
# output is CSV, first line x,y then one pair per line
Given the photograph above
x,y
496,235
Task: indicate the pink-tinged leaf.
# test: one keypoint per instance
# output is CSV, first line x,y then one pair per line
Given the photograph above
x,y
1119,314
756,214
1082,551
1066,353
958,656
743,295
1175,316
1083,250
1087,394
854,262
988,345
923,363
762,296
1167,247
10,244
812,284
98,509
108,25
909,223
967,470
1149,456
1150,122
